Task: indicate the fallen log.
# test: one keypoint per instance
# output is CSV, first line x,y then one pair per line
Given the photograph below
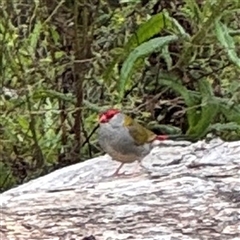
x,y
184,191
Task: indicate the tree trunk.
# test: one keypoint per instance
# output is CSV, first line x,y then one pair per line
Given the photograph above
x,y
189,191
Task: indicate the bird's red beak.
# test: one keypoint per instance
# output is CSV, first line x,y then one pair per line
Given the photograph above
x,y
103,118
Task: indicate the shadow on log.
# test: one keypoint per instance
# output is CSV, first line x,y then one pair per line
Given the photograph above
x,y
188,191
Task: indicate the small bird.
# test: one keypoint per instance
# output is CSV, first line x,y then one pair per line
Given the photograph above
x,y
124,139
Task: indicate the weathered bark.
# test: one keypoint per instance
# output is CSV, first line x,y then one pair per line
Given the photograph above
x,y
184,192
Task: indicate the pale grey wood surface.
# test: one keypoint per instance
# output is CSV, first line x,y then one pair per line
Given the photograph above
x,y
190,191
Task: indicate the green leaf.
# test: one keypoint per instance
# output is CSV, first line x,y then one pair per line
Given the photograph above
x,y
227,131
23,122
54,34
152,27
145,31
231,126
59,54
167,57
110,70
6,178
193,9
34,36
189,99
230,110
174,25
223,36
209,109
144,49
166,129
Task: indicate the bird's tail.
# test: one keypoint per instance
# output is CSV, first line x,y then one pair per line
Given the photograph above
x,y
163,139
176,137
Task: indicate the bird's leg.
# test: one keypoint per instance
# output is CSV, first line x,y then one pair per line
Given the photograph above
x,y
141,165
116,173
120,174
136,170
137,166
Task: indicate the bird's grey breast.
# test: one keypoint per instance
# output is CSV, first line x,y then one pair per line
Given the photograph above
x,y
117,142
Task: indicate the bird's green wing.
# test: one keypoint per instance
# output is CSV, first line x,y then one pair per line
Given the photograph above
x,y
139,133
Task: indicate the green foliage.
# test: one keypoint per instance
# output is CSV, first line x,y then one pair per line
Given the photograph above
x,y
201,112
141,51
146,31
6,178
209,109
222,33
190,101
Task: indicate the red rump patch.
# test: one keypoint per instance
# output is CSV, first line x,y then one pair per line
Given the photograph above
x,y
162,137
